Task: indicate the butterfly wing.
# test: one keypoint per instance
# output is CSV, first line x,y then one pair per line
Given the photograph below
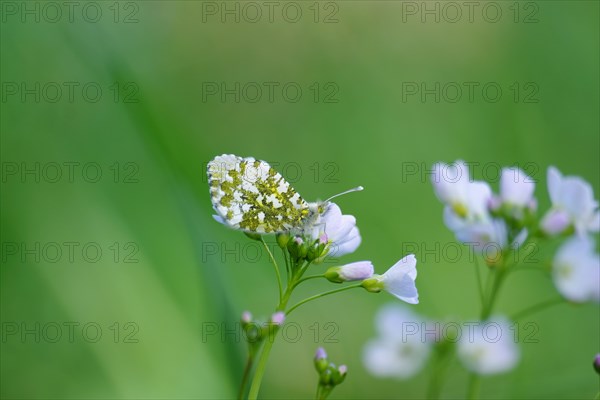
x,y
251,196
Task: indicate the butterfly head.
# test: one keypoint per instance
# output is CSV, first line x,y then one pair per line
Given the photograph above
x,y
317,209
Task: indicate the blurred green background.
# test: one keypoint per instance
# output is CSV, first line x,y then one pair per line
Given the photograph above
x,y
154,127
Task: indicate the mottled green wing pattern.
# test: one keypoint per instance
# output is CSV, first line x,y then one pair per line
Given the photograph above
x,y
251,196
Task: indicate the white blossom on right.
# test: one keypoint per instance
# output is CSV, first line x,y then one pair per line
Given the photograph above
x,y
576,270
573,204
489,348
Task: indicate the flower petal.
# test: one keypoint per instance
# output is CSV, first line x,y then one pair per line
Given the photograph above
x,y
554,178
399,280
516,187
450,182
356,271
489,348
576,270
391,320
555,222
351,243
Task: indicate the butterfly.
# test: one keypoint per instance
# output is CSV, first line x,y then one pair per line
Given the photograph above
x,y
249,195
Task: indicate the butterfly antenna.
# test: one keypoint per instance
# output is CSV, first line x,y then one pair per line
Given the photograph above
x,y
356,189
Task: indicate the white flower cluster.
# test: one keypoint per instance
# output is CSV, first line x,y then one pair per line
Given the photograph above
x,y
495,223
477,216
405,342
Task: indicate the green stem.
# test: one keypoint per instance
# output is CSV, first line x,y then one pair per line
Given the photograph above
x,y
488,286
537,307
495,278
307,278
317,296
474,383
479,283
287,266
438,375
325,392
276,268
298,271
266,349
498,278
260,369
245,376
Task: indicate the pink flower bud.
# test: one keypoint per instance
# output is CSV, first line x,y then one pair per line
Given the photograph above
x,y
278,318
320,354
555,222
246,317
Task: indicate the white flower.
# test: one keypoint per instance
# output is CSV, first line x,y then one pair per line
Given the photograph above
x,y
516,188
573,201
489,347
451,182
341,231
399,280
576,270
399,351
466,201
488,238
356,271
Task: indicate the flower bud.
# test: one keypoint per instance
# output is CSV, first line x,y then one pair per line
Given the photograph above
x,y
597,363
278,318
318,249
283,239
339,374
374,284
556,222
321,360
350,272
297,248
326,375
246,318
252,331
